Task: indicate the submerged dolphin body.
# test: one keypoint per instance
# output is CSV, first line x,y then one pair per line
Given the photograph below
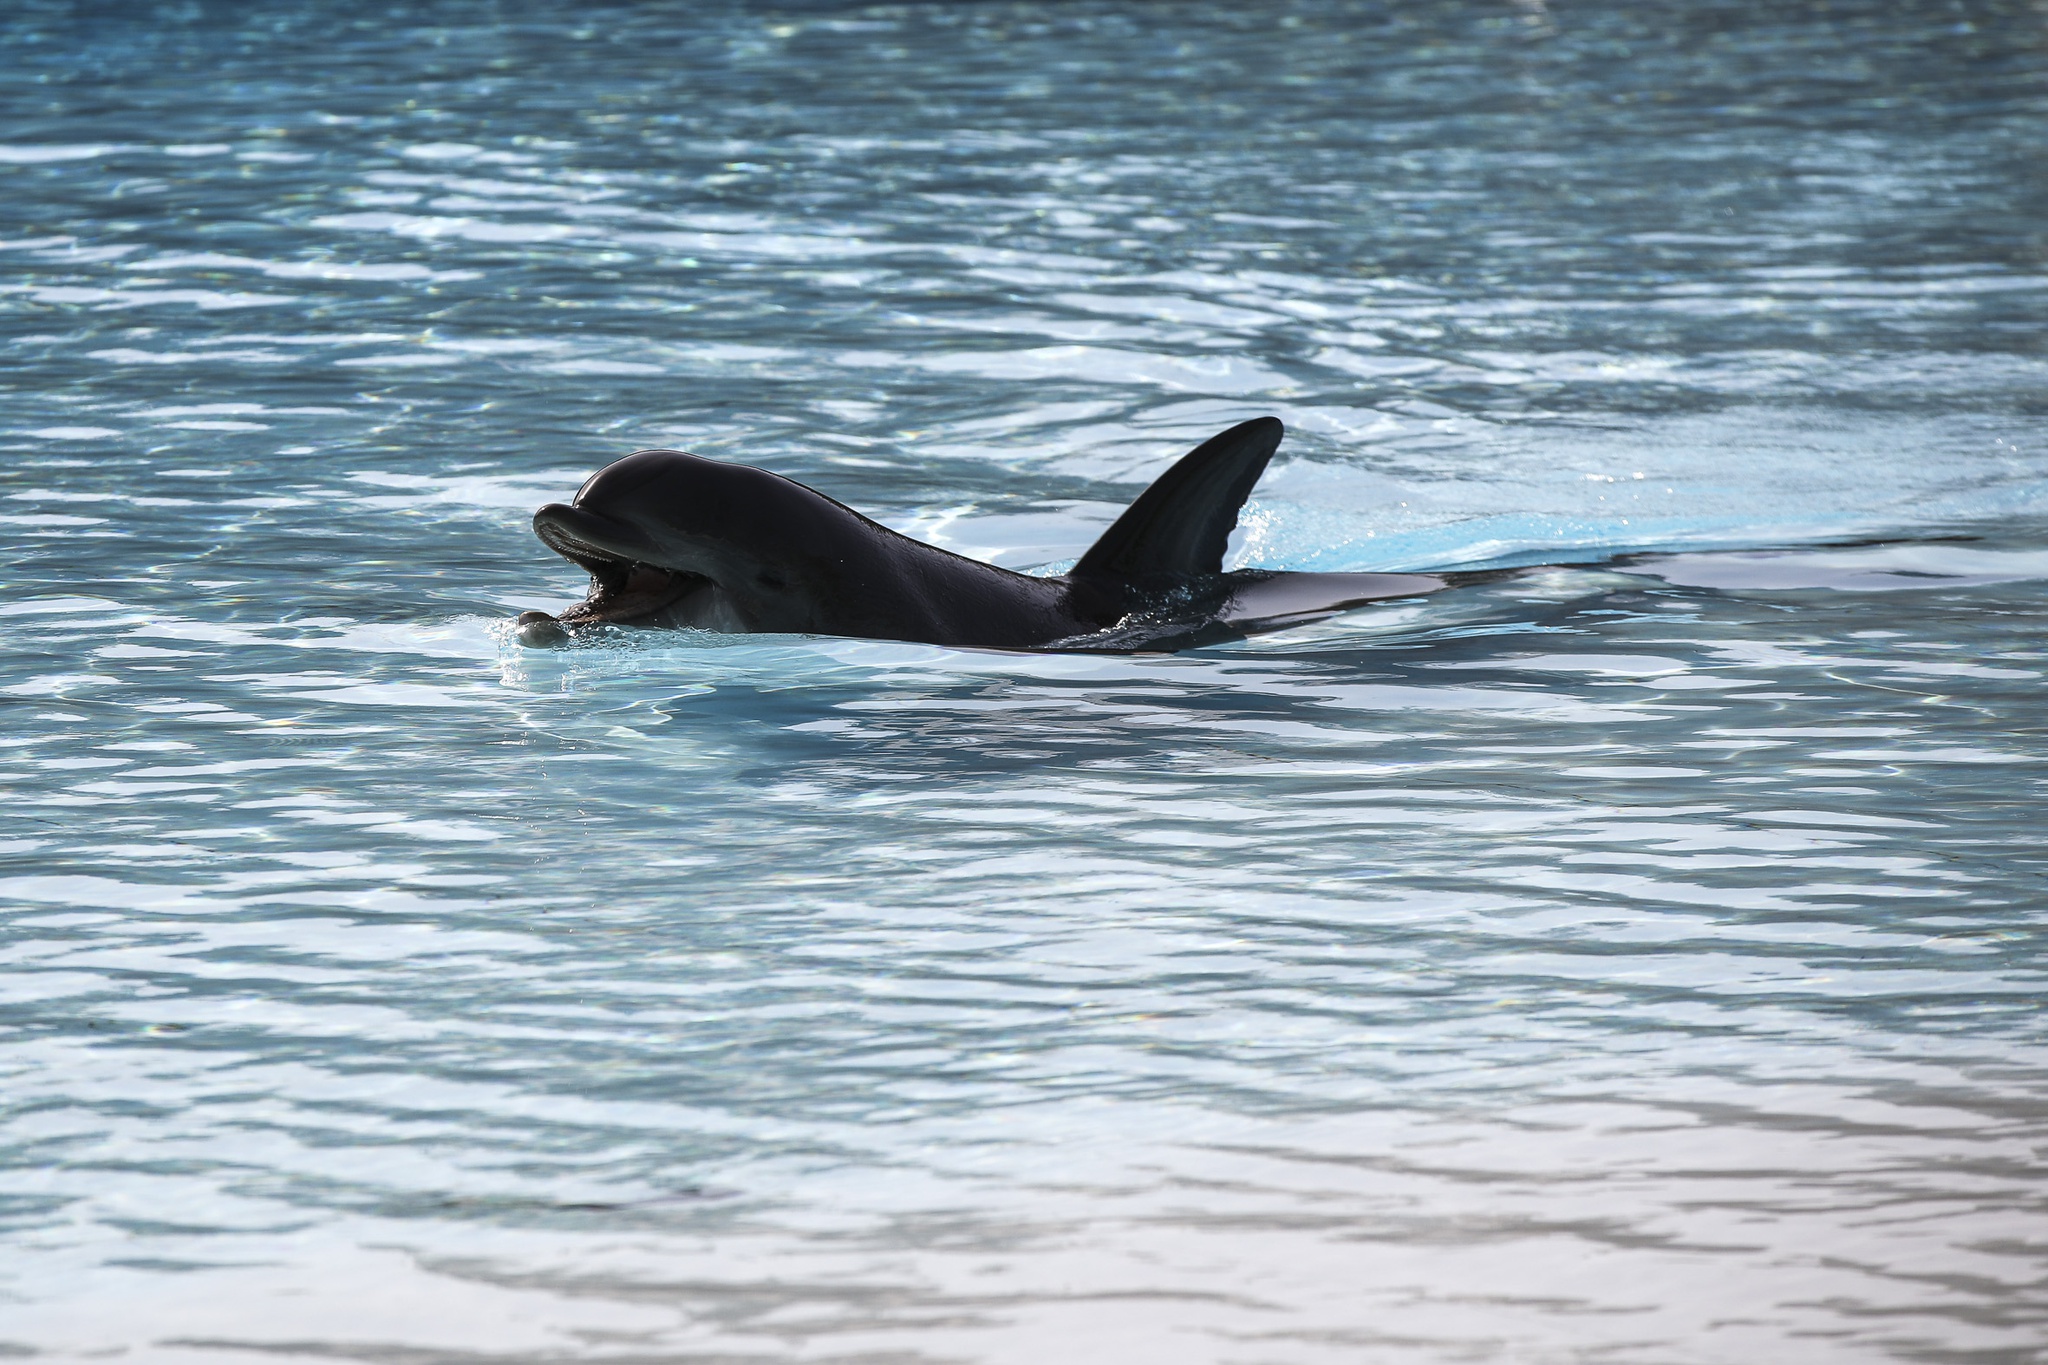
x,y
674,540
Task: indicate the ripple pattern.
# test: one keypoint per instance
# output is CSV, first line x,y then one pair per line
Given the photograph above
x,y
1637,960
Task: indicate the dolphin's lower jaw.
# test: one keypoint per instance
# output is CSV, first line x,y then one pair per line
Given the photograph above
x,y
623,591
638,594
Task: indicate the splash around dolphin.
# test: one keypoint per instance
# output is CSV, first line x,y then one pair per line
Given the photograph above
x,y
675,541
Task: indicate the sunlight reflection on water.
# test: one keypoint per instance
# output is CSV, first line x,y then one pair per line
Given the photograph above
x,y
1633,960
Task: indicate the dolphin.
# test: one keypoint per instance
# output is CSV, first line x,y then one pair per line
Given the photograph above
x,y
676,541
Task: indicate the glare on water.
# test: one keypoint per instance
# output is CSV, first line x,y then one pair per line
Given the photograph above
x,y
1634,960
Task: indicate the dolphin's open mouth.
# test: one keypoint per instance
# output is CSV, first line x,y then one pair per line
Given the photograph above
x,y
622,589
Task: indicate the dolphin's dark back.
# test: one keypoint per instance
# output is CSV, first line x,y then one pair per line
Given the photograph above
x,y
792,559
1181,525
674,539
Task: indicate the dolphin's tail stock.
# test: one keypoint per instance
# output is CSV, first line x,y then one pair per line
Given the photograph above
x,y
1180,526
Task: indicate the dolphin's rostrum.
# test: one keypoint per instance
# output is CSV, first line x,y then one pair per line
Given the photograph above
x,y
675,540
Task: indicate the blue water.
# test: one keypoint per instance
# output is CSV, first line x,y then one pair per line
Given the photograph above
x,y
1633,962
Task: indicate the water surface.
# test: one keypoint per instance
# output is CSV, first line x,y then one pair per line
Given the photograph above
x,y
1637,961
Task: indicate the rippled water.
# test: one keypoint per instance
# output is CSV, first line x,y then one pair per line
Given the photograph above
x,y
1634,962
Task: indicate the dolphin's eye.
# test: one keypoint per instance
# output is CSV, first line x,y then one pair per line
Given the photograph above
x,y
769,580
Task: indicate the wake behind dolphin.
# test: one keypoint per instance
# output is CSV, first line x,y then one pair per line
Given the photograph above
x,y
673,540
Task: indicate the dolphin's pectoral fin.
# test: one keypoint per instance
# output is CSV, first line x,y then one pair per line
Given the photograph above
x,y
1261,600
1180,526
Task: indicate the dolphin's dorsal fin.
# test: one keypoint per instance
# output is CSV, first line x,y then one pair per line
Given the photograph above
x,y
1182,523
